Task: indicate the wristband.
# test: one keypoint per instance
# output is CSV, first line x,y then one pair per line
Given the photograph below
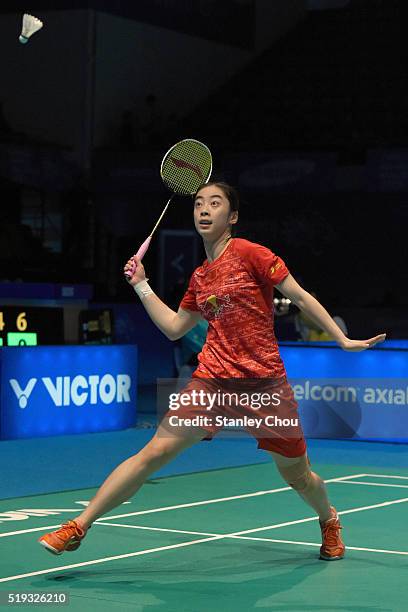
x,y
143,289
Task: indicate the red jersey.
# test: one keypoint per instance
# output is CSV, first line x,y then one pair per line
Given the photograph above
x,y
234,294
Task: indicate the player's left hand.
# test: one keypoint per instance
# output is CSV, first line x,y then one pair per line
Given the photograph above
x,y
361,345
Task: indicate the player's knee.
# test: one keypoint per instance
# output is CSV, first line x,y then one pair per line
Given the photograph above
x,y
302,483
159,452
298,476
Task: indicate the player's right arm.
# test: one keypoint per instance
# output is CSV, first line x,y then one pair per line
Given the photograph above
x,y
173,324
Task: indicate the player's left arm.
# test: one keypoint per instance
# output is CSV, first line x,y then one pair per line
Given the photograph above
x,y
315,311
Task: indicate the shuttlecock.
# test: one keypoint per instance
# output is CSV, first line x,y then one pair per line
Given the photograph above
x,y
31,25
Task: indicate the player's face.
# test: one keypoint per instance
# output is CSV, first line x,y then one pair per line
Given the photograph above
x,y
212,215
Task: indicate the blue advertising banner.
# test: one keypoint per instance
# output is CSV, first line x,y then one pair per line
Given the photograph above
x,y
362,396
58,390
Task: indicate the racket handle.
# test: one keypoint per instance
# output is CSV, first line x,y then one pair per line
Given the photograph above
x,y
140,254
142,250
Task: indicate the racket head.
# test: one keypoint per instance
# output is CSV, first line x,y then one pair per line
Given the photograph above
x,y
186,166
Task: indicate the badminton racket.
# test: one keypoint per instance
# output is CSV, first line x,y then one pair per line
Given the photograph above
x,y
186,166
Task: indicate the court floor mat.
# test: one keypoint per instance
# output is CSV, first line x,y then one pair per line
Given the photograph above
x,y
229,539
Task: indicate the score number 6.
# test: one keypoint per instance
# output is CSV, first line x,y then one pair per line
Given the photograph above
x,y
21,322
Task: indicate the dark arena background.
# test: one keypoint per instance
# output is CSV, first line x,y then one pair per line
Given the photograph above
x,y
303,104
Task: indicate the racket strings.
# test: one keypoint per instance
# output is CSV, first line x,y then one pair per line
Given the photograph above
x,y
186,166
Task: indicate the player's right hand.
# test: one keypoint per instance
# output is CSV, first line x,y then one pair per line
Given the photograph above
x,y
134,271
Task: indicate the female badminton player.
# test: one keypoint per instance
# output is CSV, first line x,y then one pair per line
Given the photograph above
x,y
233,291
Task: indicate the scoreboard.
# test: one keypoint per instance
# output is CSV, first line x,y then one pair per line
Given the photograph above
x,y
30,325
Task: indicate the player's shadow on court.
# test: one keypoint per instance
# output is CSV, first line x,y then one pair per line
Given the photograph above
x,y
253,576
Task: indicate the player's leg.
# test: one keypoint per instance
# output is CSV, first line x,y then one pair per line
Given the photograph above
x,y
121,484
297,473
128,477
285,442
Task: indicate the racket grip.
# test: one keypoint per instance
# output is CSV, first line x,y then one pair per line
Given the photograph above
x,y
142,250
140,254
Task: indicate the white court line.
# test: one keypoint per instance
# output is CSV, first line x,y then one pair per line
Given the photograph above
x,y
373,484
193,542
375,550
379,550
221,499
315,518
386,476
106,559
201,533
178,506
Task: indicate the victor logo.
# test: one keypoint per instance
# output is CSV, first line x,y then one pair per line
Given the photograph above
x,y
78,390
22,394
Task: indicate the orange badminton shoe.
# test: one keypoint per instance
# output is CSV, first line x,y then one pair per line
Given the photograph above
x,y
67,538
332,547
